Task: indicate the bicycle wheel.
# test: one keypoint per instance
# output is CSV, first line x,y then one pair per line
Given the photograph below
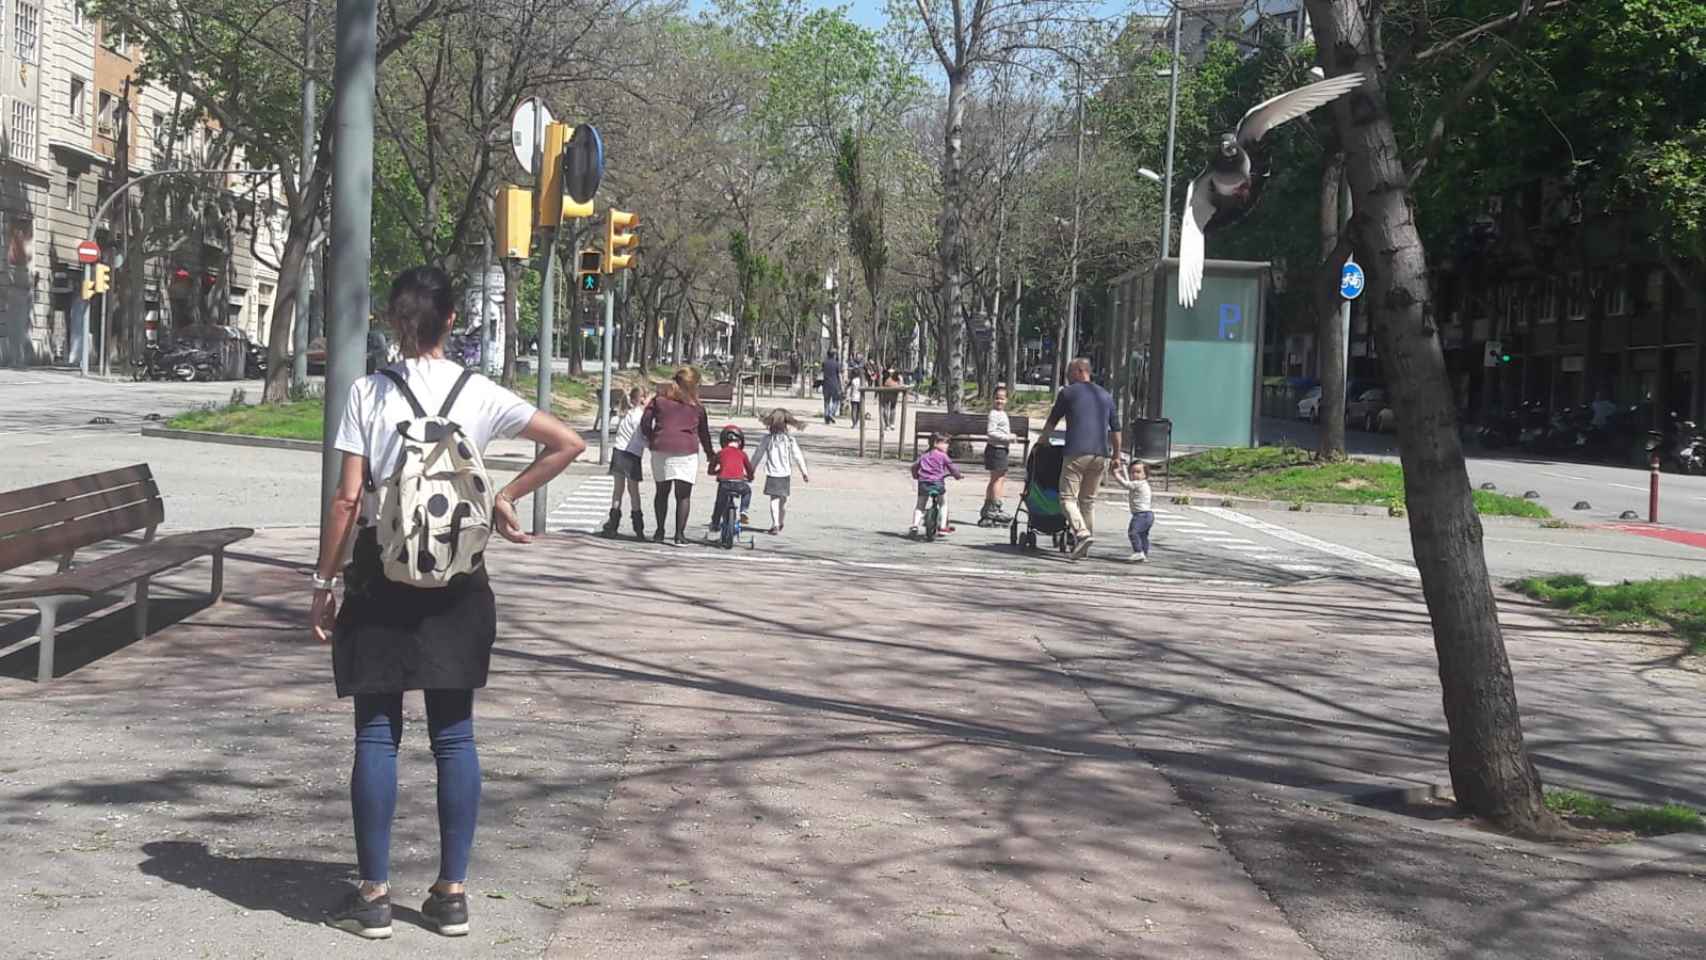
x,y
932,519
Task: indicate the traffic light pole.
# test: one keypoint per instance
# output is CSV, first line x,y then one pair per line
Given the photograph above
x,y
547,354
604,391
105,331
83,330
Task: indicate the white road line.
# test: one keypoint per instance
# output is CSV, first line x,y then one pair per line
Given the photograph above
x,y
1565,476
1304,540
1628,486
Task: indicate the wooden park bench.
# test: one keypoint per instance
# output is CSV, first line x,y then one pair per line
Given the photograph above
x,y
718,393
55,520
967,426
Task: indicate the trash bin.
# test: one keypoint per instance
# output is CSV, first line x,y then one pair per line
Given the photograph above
x,y
1152,441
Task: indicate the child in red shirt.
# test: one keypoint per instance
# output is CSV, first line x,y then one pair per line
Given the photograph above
x,y
734,473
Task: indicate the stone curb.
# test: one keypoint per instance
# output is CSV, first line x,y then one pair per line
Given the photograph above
x,y
1202,499
285,443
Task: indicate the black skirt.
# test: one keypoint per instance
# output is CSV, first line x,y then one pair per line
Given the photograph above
x,y
393,637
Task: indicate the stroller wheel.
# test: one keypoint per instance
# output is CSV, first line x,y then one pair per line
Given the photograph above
x,y
1013,533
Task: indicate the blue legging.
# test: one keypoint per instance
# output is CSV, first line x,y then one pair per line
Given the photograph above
x,y
373,782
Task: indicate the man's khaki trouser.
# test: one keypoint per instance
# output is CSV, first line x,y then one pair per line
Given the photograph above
x,y
1080,478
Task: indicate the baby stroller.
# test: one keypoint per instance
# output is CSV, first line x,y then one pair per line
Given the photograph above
x,y
1039,503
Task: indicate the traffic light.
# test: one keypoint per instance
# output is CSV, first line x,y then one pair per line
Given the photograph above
x,y
588,268
617,236
512,211
576,211
99,279
550,191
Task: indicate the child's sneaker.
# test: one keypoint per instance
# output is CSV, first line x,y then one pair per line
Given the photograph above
x,y
944,529
745,520
914,533
1139,557
446,912
364,917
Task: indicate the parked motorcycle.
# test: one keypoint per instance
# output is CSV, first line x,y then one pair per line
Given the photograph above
x,y
255,360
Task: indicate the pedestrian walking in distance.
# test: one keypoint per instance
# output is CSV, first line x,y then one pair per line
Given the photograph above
x,y
1092,439
675,427
418,611
776,455
1142,509
626,466
999,430
856,392
831,388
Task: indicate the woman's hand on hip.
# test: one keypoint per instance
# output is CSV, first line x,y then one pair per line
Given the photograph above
x,y
506,523
324,615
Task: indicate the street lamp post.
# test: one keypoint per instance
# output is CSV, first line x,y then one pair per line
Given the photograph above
x,y
1172,127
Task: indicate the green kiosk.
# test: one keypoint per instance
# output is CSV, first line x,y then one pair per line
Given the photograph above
x,y
1206,371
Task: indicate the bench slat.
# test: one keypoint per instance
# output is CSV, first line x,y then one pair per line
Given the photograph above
x,y
55,541
120,569
52,513
14,500
965,424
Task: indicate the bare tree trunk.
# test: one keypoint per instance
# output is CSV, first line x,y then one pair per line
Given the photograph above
x,y
1330,340
953,162
1492,775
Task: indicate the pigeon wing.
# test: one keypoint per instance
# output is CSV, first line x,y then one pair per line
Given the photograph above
x,y
1289,106
1199,210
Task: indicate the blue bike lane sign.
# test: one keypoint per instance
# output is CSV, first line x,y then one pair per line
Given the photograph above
x,y
1351,280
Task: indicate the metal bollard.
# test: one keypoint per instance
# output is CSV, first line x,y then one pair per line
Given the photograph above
x,y
1653,489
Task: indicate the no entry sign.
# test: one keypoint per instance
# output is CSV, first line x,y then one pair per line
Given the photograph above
x,y
88,251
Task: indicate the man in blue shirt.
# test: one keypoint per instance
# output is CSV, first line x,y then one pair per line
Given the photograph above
x,y
1092,440
831,388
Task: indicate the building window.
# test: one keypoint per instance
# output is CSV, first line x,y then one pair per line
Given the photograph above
x,y
21,132
77,13
1617,293
75,105
72,188
26,27
1576,303
114,40
1548,301
106,118
1655,292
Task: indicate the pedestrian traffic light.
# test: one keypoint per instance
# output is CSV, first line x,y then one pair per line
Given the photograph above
x,y
618,236
588,267
514,223
550,193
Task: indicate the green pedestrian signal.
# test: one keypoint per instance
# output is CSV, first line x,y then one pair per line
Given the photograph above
x,y
589,282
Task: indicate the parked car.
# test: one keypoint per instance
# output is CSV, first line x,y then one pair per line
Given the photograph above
x,y
379,352
1364,412
1309,408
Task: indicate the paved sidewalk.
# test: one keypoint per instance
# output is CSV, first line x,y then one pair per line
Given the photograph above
x,y
696,753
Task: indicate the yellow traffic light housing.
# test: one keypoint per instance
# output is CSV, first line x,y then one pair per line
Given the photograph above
x,y
513,214
551,174
588,266
88,285
103,278
576,211
617,237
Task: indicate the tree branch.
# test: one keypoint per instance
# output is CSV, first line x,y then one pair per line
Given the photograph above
x,y
1436,134
1505,22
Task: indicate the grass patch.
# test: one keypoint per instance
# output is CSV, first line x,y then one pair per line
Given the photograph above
x,y
299,420
1030,401
1647,821
1676,603
1293,475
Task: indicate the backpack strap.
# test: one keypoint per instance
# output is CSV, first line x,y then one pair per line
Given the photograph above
x,y
456,391
408,394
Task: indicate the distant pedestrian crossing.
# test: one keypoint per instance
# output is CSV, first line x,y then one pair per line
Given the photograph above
x,y
586,508
1195,531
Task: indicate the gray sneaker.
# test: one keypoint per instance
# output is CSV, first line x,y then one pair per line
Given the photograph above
x,y
446,912
1081,549
364,917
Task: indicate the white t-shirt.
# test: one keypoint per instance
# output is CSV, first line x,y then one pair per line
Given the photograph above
x,y
484,410
629,439
856,388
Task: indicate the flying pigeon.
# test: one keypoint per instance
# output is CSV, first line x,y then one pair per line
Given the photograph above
x,y
1224,192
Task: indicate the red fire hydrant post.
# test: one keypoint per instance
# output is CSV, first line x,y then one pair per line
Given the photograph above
x,y
1653,489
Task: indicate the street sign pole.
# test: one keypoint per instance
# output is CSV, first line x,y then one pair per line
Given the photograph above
x,y
83,329
604,390
351,246
106,330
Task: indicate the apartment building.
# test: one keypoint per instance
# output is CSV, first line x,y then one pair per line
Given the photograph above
x,y
73,118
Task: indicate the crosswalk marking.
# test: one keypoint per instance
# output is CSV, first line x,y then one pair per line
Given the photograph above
x,y
585,509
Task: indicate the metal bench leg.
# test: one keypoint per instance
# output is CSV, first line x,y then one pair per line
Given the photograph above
x,y
218,575
49,610
139,607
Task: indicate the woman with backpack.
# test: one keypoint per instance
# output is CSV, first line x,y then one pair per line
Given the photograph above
x,y
418,611
676,429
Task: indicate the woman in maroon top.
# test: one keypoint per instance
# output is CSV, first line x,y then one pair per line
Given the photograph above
x,y
676,430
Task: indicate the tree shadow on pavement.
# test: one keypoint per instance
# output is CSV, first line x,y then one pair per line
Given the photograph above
x,y
89,641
